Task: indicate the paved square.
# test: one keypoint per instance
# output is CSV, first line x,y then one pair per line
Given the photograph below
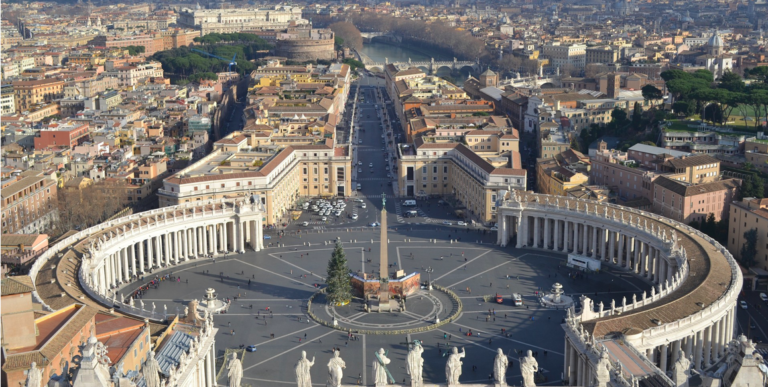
x,y
272,288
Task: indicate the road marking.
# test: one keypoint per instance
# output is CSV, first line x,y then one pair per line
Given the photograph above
x,y
479,274
292,349
294,265
365,366
279,275
465,263
508,339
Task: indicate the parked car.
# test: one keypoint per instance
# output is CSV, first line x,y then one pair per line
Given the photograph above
x,y
743,304
251,348
267,237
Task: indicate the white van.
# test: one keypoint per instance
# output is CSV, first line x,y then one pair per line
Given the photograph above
x,y
517,299
764,297
409,203
359,186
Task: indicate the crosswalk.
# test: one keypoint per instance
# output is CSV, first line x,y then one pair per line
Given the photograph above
x,y
399,213
388,196
372,179
424,215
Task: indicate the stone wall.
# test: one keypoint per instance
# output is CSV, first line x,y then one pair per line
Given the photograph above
x,y
306,49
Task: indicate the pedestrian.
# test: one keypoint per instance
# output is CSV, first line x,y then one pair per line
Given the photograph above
x,y
229,323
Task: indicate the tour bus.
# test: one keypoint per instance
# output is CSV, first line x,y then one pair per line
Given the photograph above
x,y
517,299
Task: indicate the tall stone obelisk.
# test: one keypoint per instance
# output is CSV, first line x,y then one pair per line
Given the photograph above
x,y
383,260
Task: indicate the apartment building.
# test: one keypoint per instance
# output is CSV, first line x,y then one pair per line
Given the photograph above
x,y
133,74
562,55
703,140
29,203
756,152
603,54
552,142
27,94
746,215
451,169
7,100
62,135
631,174
239,168
687,202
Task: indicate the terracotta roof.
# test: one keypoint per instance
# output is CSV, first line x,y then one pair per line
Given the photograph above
x,y
686,189
17,285
475,158
691,161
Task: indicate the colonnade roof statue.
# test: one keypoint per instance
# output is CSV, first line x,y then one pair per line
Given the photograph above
x,y
453,366
234,371
302,368
528,368
336,370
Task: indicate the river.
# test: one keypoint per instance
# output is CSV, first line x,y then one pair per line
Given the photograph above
x,y
378,51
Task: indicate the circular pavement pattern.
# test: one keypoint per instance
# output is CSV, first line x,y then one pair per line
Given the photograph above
x,y
273,287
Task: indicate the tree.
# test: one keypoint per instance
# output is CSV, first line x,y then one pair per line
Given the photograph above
x,y
651,93
749,249
135,50
347,35
575,144
619,117
339,291
731,82
637,115
683,108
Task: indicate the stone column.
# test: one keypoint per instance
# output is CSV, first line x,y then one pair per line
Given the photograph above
x,y
572,369
715,341
124,253
675,351
159,250
141,257
689,345
585,239
254,237
546,233
556,235
536,231
594,242
208,370
177,247
575,239
132,252
226,235
150,250
521,226
697,352
708,346
663,360
644,259
611,248
567,236
620,251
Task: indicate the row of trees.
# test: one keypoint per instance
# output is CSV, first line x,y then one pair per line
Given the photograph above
x,y
85,208
347,34
136,50
238,38
698,93
184,64
436,34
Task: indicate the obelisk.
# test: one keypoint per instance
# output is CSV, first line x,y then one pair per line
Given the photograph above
x,y
383,260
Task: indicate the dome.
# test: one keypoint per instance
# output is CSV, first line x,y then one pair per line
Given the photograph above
x,y
715,41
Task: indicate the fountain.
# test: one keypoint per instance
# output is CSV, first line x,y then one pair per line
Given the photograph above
x,y
556,298
210,304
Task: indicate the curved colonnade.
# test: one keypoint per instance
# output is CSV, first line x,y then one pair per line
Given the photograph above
x,y
691,301
120,251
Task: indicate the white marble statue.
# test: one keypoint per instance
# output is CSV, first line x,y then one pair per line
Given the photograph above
x,y
335,370
34,376
380,368
303,378
234,371
414,362
528,368
453,366
500,368
151,370
682,370
603,370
